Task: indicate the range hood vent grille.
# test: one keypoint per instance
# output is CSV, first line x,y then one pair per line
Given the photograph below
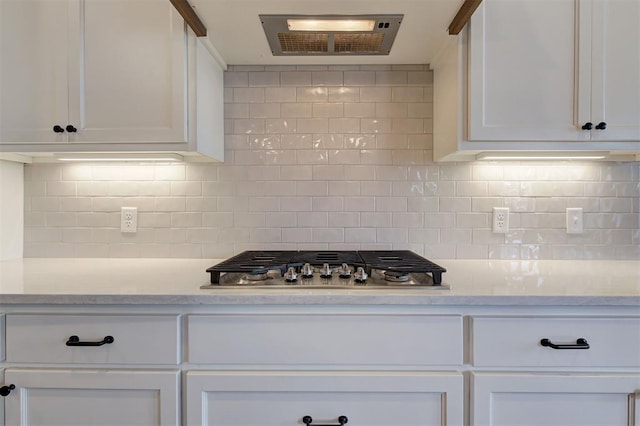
x,y
291,43
285,42
362,43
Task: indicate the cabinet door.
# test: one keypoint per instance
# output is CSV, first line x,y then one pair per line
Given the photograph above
x,y
127,72
522,71
616,69
555,400
33,70
92,397
283,399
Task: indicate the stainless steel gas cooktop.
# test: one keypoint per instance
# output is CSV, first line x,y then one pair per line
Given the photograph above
x,y
391,269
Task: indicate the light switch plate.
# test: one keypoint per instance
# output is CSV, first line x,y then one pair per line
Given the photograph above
x,y
575,223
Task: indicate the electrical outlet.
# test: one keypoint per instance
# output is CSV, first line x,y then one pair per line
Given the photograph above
x,y
500,220
129,219
575,224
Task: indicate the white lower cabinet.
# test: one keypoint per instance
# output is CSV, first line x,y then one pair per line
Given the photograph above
x,y
556,370
74,397
555,399
321,367
285,399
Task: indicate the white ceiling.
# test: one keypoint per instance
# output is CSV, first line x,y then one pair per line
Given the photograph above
x,y
235,30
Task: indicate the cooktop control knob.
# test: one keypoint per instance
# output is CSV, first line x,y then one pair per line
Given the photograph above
x,y
325,272
290,276
345,271
306,271
360,276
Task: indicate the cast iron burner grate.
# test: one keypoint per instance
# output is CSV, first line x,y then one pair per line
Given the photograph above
x,y
333,258
254,262
401,261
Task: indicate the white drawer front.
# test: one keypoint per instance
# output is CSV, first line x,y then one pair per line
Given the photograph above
x,y
219,399
516,341
353,340
137,339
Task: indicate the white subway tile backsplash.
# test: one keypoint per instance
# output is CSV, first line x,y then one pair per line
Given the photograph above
x,y
328,235
281,220
295,78
311,94
344,219
248,95
332,157
359,204
391,78
280,94
264,78
296,110
361,235
375,125
343,94
375,94
62,219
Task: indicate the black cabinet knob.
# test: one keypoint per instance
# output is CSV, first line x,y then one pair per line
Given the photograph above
x,y
601,125
71,129
6,390
587,126
58,129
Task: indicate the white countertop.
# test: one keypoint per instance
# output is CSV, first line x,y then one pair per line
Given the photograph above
x,y
178,281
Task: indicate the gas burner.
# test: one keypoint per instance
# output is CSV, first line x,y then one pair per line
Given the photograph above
x,y
396,277
256,277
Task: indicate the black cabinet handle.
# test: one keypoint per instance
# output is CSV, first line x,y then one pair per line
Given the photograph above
x,y
601,125
307,420
580,344
71,129
58,129
587,126
75,341
6,390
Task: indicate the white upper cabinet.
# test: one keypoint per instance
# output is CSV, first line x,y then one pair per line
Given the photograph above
x,y
615,69
548,75
98,75
522,71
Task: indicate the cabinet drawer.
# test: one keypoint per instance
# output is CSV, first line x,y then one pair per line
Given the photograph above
x,y
228,399
137,339
516,341
358,341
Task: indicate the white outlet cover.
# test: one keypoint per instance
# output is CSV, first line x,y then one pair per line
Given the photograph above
x,y
500,223
129,219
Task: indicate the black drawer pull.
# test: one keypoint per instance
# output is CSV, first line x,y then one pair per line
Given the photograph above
x,y
75,341
307,420
6,390
580,344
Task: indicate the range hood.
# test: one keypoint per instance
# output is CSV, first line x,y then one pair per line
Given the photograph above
x,y
328,35
235,31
